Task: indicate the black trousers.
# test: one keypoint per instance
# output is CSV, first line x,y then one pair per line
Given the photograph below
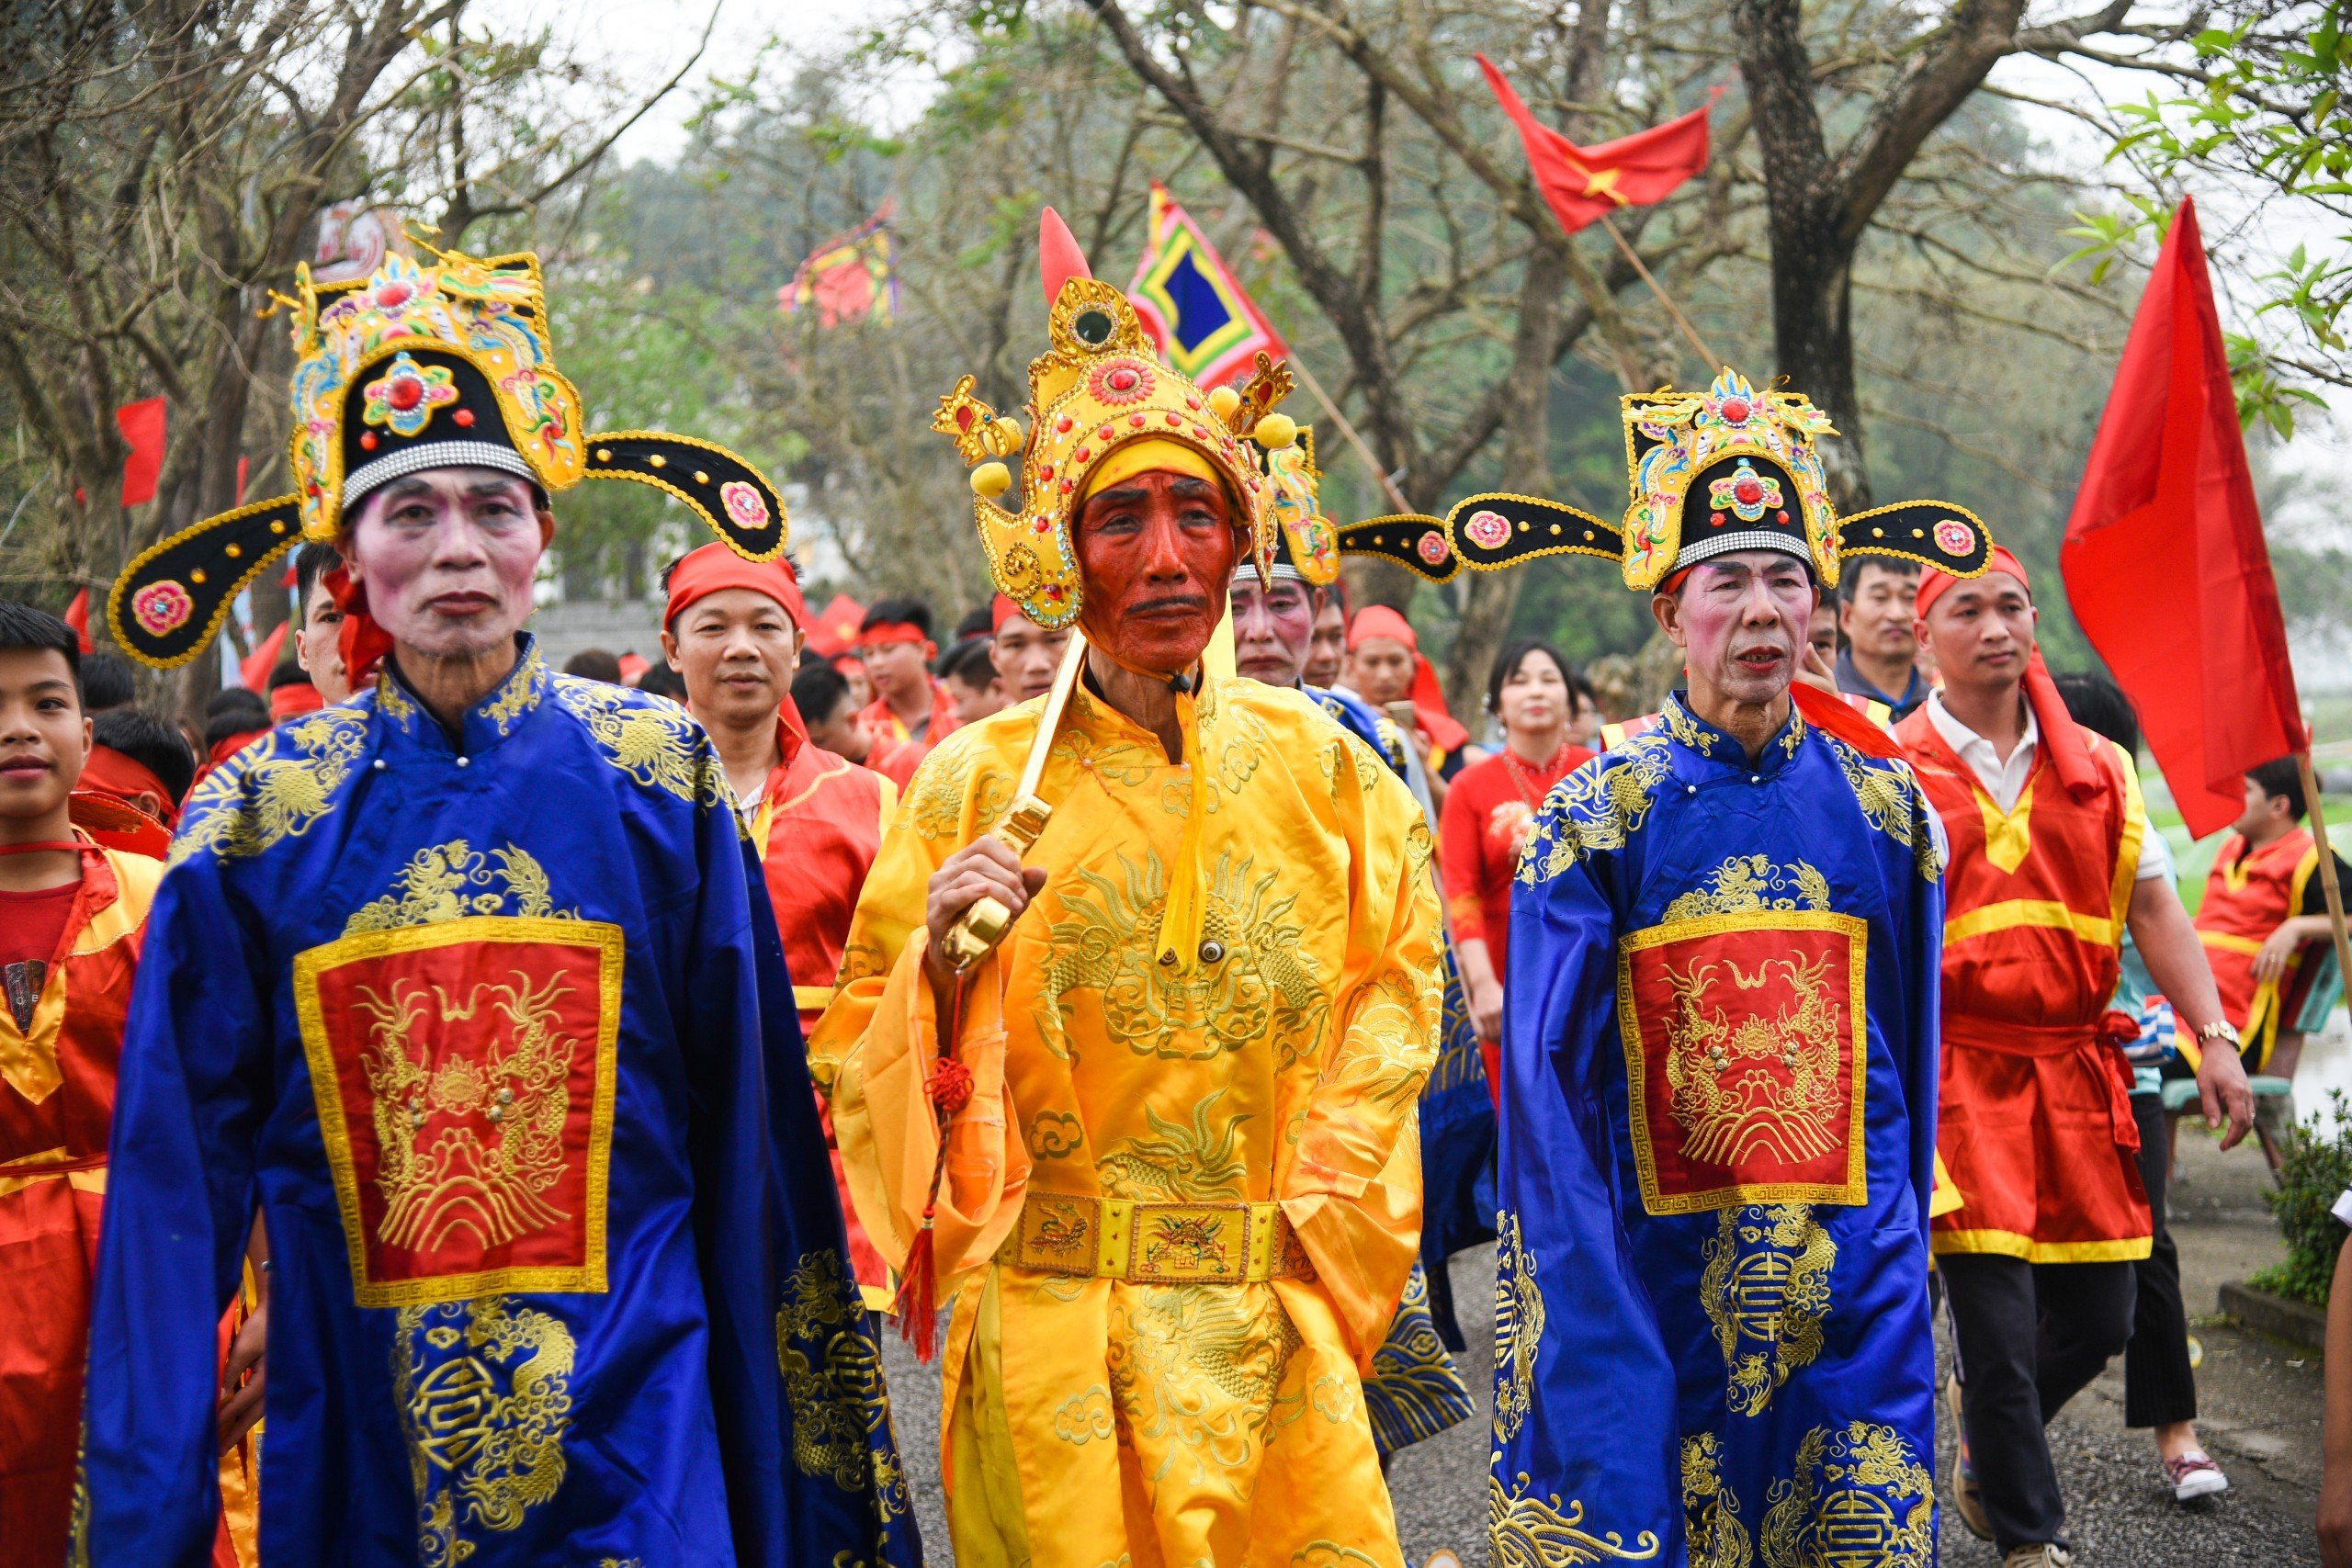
x,y
2159,1387
2030,1336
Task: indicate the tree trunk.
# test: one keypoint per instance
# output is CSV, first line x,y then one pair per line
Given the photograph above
x,y
1527,469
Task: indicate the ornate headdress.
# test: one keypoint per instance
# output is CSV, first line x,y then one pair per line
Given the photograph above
x,y
1097,392
1299,542
446,363
1746,457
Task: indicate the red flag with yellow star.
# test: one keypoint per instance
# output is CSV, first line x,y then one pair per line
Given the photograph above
x,y
1585,183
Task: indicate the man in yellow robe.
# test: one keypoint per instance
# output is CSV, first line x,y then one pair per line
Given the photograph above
x,y
1179,1195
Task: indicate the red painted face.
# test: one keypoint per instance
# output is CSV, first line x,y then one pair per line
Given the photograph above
x,y
1154,554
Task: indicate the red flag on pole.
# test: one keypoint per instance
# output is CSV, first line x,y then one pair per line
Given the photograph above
x,y
77,616
142,424
256,668
1585,183
2163,558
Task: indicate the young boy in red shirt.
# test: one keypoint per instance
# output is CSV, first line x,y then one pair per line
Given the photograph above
x,y
71,916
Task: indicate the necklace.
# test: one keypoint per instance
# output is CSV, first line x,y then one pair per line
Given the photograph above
x,y
1531,782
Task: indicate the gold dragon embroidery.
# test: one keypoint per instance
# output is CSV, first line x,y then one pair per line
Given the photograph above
x,y
500,1143
654,742
1765,1286
275,789
1265,987
1891,802
1859,1495
1730,1111
1709,1509
833,1373
1518,1329
432,888
483,1393
1600,806
1752,881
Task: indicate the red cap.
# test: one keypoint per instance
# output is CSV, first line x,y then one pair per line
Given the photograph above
x,y
715,565
1933,583
1379,620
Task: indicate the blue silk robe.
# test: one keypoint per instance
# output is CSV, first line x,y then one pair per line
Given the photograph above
x,y
1415,1391
1711,1332
495,1038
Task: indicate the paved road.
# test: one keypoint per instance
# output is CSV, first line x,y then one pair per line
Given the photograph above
x,y
2259,1401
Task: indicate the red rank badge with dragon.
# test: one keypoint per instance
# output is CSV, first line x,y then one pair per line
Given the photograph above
x,y
463,1072
1745,1057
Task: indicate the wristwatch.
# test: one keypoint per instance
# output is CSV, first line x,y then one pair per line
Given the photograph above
x,y
2222,1030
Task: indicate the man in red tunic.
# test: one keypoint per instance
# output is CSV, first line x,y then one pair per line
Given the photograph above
x,y
732,630
73,915
2264,924
2050,862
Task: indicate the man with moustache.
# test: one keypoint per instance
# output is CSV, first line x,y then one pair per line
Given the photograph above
x,y
2053,860
1154,1144
467,978
1719,1046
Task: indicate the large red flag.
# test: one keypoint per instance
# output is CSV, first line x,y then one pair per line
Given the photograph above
x,y
1585,183
2165,560
77,616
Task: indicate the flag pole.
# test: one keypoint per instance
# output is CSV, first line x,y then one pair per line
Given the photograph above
x,y
1395,498
1706,357
2326,863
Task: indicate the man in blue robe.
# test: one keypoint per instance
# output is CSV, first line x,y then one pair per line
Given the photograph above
x,y
470,985
1712,1338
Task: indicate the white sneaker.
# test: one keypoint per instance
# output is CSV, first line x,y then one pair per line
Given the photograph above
x,y
2194,1474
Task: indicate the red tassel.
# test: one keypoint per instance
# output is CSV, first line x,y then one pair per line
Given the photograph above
x,y
949,1087
918,1302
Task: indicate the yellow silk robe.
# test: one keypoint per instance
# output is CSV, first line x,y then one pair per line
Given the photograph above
x,y
1092,1421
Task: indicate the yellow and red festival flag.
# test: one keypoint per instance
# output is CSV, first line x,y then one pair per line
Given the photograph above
x,y
1204,322
850,278
1581,183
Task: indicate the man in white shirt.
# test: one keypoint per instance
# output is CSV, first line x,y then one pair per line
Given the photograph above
x,y
2051,857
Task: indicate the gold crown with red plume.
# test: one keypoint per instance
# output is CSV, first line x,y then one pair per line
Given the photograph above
x,y
1101,406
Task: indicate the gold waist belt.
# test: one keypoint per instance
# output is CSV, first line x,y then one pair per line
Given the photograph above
x,y
1155,1243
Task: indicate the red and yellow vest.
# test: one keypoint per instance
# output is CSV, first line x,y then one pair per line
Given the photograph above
x,y
2247,895
2035,1120
819,824
57,1085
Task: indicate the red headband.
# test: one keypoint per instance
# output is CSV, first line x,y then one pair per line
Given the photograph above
x,y
882,633
703,572
127,778
1933,584
1379,620
1001,609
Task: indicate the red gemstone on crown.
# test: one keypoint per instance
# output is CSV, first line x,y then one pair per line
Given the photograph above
x,y
964,417
1062,424
406,393
368,441
1748,492
463,416
394,295
1717,521
1121,380
1735,410
1779,516
1135,420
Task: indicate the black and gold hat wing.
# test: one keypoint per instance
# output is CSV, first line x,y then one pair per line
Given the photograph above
x,y
731,495
1931,533
1497,530
173,596
1412,541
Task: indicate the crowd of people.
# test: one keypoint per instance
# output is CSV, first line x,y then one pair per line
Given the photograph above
x,y
408,1147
